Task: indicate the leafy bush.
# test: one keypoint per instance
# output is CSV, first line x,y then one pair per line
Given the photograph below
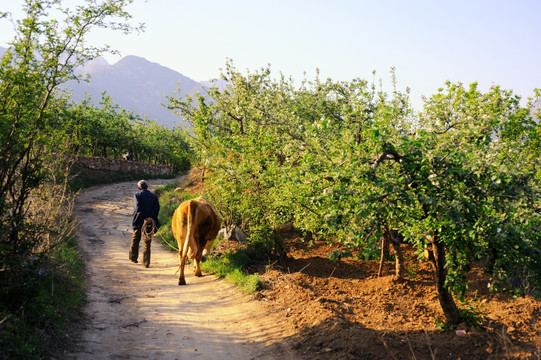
x,y
264,243
39,306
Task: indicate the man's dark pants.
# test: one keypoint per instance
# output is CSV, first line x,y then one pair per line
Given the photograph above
x,y
134,248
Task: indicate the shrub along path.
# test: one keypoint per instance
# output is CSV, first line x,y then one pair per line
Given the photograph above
x,y
133,312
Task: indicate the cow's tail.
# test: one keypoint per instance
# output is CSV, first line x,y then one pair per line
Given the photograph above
x,y
190,239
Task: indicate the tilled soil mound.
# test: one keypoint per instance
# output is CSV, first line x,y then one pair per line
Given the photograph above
x,y
342,310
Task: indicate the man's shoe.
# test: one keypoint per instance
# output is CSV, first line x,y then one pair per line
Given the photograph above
x,y
146,266
134,261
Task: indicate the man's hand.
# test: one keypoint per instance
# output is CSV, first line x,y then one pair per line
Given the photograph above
x,y
148,221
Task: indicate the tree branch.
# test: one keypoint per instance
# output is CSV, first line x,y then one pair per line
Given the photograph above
x,y
387,155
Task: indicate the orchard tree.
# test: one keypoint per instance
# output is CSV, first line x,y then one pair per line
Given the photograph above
x,y
43,54
476,197
281,152
108,130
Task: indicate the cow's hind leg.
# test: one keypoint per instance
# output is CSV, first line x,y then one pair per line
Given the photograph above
x,y
206,250
196,268
182,260
183,255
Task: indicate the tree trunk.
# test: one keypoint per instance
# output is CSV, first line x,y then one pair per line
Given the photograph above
x,y
391,236
395,241
384,253
447,303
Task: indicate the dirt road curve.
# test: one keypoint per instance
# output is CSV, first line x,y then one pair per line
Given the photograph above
x,y
138,313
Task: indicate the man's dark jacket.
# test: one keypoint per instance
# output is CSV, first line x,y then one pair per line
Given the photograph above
x,y
146,205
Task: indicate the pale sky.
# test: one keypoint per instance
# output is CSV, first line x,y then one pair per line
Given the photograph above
x,y
427,41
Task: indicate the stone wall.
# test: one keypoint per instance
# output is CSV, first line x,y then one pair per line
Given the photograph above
x,y
97,163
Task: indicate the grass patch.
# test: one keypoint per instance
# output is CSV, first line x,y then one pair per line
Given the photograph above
x,y
32,324
230,266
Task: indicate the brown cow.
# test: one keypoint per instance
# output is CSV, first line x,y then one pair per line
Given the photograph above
x,y
195,226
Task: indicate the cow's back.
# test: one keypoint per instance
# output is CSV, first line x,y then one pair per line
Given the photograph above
x,y
205,222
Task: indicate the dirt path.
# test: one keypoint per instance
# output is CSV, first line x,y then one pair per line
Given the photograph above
x,y
138,313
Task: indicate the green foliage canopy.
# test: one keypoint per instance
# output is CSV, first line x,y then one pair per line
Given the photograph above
x,y
346,162
109,131
43,54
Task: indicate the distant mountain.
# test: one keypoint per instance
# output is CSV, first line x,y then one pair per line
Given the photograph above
x,y
135,84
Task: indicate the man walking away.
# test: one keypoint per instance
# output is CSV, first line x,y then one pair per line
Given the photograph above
x,y
146,209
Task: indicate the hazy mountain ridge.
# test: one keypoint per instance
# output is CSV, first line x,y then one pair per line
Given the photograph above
x,y
135,84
